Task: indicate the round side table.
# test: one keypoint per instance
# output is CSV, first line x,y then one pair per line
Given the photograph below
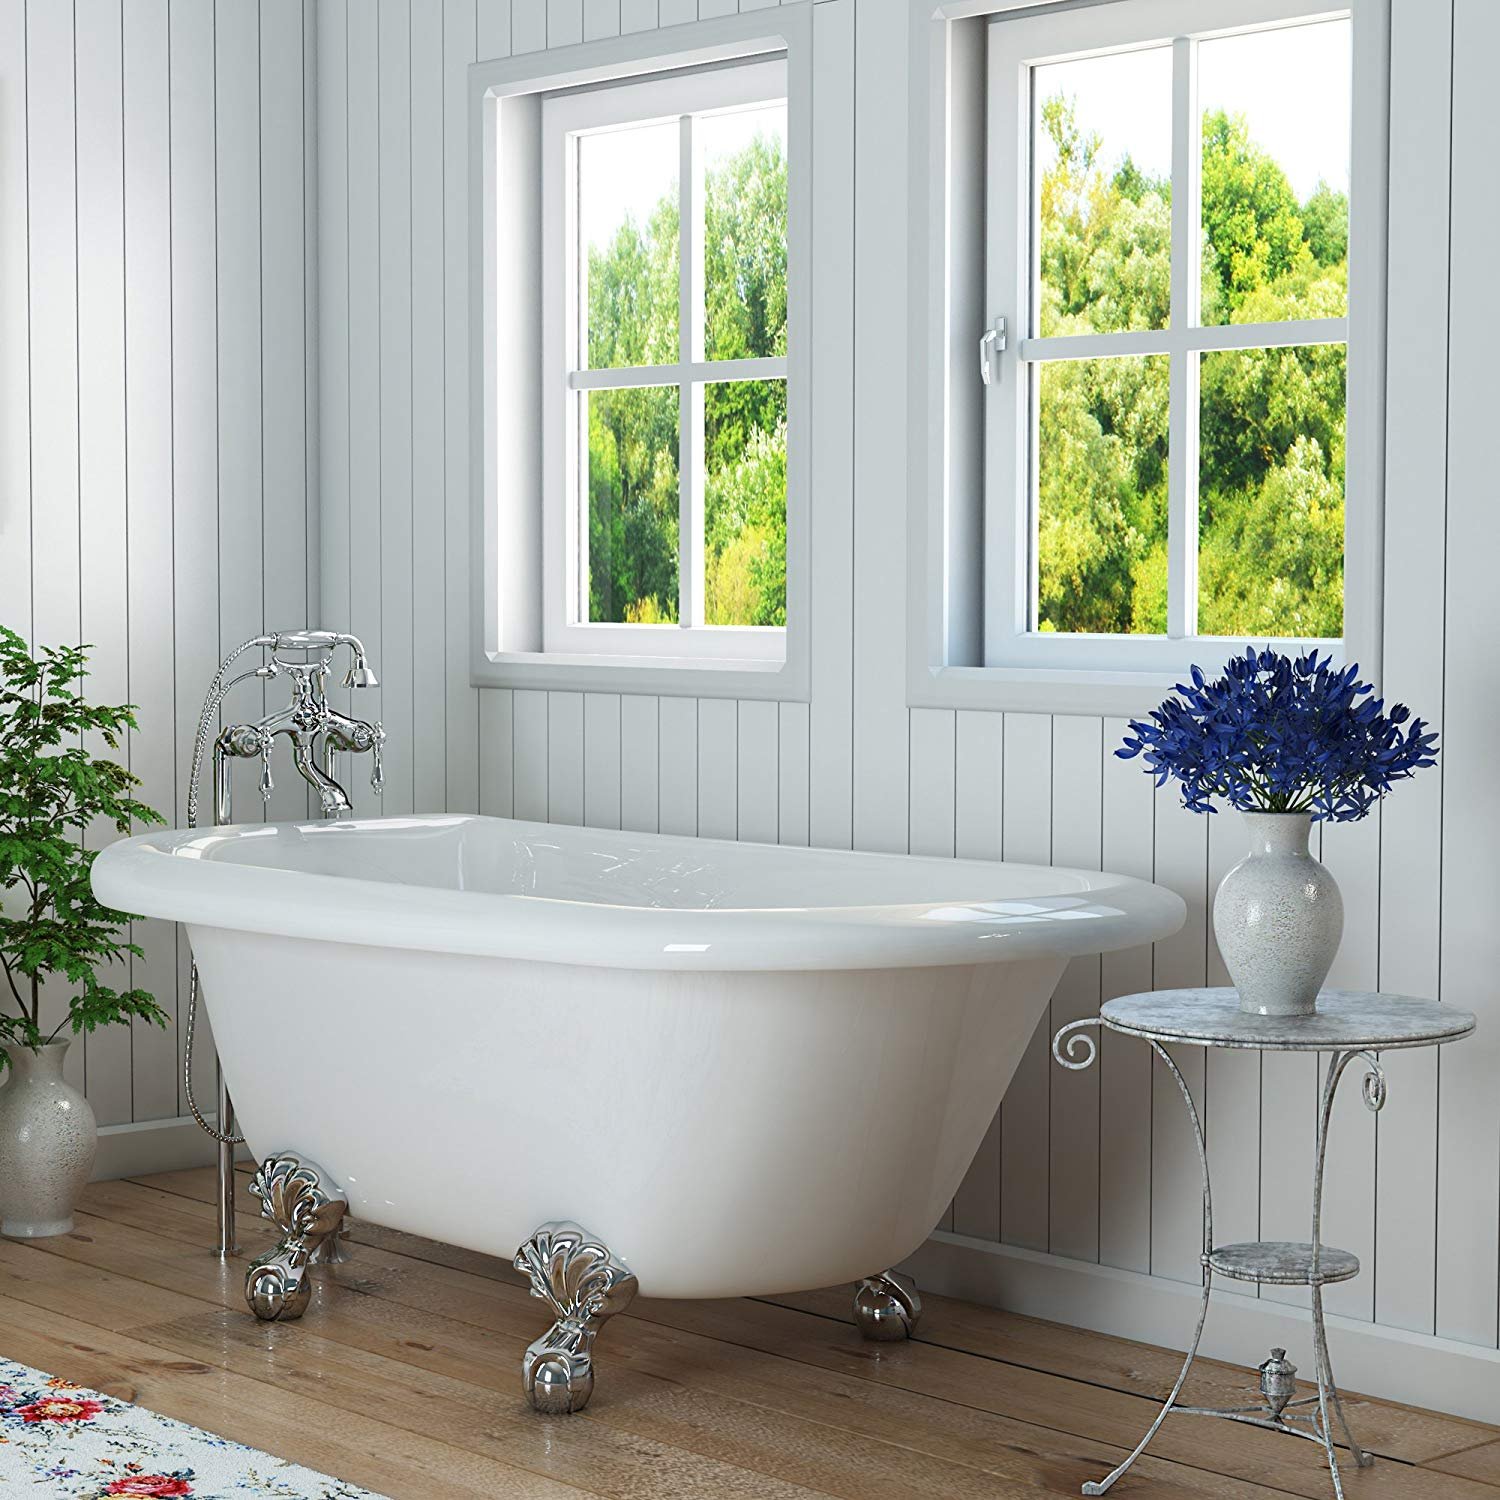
x,y
1348,1025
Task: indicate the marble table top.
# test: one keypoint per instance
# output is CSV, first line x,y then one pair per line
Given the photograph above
x,y
1345,1020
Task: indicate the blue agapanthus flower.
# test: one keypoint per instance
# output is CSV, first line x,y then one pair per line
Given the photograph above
x,y
1281,734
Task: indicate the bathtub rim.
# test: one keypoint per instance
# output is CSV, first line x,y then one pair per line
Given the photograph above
x,y
157,875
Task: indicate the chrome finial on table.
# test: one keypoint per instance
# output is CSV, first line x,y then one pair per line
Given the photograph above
x,y
1349,1026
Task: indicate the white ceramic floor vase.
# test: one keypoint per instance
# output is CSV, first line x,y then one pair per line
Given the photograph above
x,y
47,1140
1278,917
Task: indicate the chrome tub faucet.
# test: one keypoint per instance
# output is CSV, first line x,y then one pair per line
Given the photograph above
x,y
317,732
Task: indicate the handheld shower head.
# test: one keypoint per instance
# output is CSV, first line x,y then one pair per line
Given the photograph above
x,y
360,673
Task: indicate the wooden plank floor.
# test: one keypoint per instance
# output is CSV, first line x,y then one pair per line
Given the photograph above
x,y
403,1376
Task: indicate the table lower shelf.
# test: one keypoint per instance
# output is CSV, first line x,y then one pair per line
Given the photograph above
x,y
1282,1263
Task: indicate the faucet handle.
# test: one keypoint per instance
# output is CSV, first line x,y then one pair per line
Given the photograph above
x,y
267,785
377,760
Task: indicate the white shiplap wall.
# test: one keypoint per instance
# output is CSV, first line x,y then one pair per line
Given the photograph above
x,y
157,387
1095,1166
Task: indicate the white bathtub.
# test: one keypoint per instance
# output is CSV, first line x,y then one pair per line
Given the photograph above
x,y
747,1069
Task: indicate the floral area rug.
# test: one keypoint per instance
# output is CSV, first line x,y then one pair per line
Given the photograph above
x,y
60,1440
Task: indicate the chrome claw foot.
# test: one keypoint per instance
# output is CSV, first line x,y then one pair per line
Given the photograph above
x,y
308,1209
581,1281
886,1307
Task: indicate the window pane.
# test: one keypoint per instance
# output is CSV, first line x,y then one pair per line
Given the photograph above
x,y
1271,493
744,547
1276,111
744,232
627,244
1102,135
1102,495
631,558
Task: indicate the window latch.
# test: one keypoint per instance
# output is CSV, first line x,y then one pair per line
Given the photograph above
x,y
991,346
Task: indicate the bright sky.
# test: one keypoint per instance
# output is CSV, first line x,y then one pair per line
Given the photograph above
x,y
1292,85
629,171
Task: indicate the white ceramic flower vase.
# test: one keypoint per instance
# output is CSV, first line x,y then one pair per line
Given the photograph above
x,y
47,1140
1278,917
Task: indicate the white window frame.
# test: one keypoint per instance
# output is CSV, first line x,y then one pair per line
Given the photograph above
x,y
500,309
967,647
684,97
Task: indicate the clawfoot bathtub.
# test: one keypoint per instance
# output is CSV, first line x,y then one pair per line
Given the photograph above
x,y
741,1069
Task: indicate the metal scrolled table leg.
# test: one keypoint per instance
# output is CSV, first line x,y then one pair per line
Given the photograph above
x,y
1078,1043
1372,1091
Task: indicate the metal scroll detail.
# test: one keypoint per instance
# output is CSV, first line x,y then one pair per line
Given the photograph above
x,y
580,1279
1081,1048
300,1200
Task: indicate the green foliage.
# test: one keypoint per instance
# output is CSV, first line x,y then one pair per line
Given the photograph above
x,y
632,434
1271,508
52,792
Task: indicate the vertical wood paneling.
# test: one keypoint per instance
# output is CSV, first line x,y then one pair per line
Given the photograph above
x,y
1468,1163
718,768
1128,843
493,27
461,710
98,68
601,18
1077,824
496,783
639,722
980,777
332,227
237,166
148,498
529,765
564,23
394,250
15,341
792,774
1025,1116
601,760
637,15
148,161
932,761
1416,506
366,614
881,774
677,760
52,209
429,511
757,814
195,415
528,26
831,711
283,341
1176,1189
565,758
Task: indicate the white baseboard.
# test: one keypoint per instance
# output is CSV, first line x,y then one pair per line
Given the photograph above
x,y
1415,1368
153,1146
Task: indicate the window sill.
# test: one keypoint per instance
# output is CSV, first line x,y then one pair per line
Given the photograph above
x,y
1039,690
671,676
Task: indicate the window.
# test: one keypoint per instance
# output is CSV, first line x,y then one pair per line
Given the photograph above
x,y
1167,239
664,245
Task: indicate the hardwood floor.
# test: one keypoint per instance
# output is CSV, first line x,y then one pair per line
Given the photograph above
x,y
403,1376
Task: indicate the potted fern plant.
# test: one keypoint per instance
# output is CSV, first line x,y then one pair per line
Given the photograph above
x,y
55,938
